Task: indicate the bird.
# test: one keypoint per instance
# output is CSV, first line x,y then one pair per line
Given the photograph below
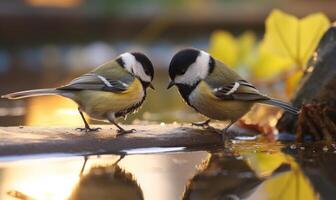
x,y
113,89
215,90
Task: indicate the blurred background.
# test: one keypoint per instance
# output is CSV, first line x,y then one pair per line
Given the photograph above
x,y
46,43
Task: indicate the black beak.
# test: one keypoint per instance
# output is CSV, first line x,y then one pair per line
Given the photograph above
x,y
171,84
151,86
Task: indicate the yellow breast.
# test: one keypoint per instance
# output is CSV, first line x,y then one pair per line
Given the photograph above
x,y
98,103
203,99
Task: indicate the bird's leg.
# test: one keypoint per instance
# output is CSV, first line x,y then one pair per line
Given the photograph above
x,y
87,127
86,158
122,131
225,130
119,159
204,124
83,166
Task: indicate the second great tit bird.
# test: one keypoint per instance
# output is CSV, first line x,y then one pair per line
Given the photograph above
x,y
112,90
215,90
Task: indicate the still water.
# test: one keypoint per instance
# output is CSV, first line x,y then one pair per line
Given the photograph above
x,y
244,170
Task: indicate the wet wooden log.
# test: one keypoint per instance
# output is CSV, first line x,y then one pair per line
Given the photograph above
x,y
40,140
317,94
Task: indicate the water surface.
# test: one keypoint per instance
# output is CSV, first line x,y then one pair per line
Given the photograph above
x,y
242,170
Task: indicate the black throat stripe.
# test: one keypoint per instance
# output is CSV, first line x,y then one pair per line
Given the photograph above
x,y
186,90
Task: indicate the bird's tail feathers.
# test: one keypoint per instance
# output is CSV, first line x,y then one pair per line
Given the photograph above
x,y
31,93
282,105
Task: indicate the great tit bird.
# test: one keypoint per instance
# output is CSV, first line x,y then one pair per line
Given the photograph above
x,y
215,90
112,90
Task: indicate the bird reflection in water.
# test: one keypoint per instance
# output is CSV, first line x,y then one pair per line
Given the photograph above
x,y
160,176
224,178
107,182
245,174
242,171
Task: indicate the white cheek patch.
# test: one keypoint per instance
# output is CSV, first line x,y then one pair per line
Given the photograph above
x,y
140,72
129,61
134,67
196,71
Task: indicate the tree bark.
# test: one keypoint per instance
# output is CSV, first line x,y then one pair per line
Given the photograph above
x,y
316,95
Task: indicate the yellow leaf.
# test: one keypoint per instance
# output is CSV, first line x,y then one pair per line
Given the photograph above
x,y
316,25
246,50
289,37
288,185
246,43
291,184
292,81
287,45
269,65
281,34
264,164
224,47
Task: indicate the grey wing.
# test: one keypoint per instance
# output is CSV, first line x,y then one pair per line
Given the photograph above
x,y
239,90
93,81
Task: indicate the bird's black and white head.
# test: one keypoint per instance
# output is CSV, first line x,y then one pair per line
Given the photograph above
x,y
189,66
139,65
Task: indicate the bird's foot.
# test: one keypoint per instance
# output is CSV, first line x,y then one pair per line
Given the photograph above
x,y
88,129
223,136
226,136
225,139
124,132
204,124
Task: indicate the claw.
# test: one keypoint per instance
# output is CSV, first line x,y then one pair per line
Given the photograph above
x,y
123,131
88,129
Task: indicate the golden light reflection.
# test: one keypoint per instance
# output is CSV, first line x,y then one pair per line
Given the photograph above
x,y
164,176
46,179
52,110
264,158
54,3
160,176
41,179
289,185
56,178
263,164
286,185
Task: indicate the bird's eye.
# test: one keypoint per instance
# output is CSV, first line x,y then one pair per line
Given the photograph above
x,y
182,71
147,71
